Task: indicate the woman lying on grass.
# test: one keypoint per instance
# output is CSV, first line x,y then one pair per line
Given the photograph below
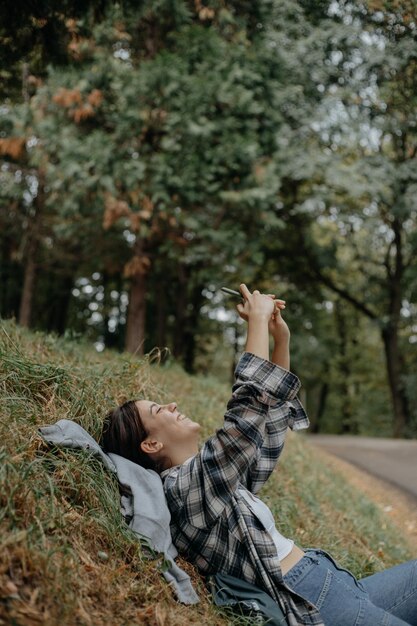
x,y
218,522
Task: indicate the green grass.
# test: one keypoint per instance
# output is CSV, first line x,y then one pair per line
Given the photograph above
x,y
65,554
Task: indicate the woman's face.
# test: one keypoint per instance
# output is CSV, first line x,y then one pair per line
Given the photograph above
x,y
166,424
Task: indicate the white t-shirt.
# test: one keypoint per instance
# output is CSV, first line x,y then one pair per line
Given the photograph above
x,y
264,515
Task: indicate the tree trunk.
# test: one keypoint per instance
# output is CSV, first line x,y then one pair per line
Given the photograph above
x,y
394,358
26,301
180,317
395,369
135,325
344,369
136,314
323,395
4,275
25,312
111,339
61,286
108,337
161,314
191,329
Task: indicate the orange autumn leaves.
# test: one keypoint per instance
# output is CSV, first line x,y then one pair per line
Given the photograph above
x,y
13,147
115,209
137,266
204,12
80,106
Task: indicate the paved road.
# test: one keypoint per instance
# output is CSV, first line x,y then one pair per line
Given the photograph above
x,y
393,460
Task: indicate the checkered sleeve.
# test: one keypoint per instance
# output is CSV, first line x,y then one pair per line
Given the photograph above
x,y
200,490
288,412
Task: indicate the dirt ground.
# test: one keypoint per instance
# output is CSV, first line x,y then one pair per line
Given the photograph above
x,y
400,507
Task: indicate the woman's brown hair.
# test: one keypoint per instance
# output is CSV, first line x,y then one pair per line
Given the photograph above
x,y
123,432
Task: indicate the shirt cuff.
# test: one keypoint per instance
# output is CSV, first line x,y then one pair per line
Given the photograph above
x,y
275,380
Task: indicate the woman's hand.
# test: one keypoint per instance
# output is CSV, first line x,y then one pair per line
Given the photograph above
x,y
263,314
278,328
257,309
256,304
254,301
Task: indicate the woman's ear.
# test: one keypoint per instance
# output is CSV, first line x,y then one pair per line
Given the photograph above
x,y
150,446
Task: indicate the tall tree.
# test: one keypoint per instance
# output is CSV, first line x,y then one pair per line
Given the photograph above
x,y
178,156
359,187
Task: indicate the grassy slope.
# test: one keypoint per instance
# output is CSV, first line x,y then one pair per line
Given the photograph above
x,y
65,555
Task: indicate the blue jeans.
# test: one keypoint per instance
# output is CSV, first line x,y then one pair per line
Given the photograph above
x,y
388,598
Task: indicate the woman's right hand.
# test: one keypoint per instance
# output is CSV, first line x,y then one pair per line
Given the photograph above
x,y
256,304
257,308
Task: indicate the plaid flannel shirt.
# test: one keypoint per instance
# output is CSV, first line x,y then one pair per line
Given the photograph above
x,y
211,524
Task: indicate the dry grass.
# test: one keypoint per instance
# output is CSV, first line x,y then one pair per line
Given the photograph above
x,y
66,556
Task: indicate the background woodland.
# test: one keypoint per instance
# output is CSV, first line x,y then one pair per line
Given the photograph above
x,y
152,152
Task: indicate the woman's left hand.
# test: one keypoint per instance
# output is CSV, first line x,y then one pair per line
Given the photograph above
x,y
278,327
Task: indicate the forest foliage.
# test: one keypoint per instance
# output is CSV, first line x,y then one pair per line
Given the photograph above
x,y
153,152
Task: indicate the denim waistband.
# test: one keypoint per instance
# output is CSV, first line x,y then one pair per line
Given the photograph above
x,y
312,557
304,565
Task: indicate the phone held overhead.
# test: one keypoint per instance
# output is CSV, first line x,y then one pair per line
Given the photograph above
x,y
232,292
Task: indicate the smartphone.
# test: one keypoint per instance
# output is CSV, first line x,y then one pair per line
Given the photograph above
x,y
233,293
236,294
